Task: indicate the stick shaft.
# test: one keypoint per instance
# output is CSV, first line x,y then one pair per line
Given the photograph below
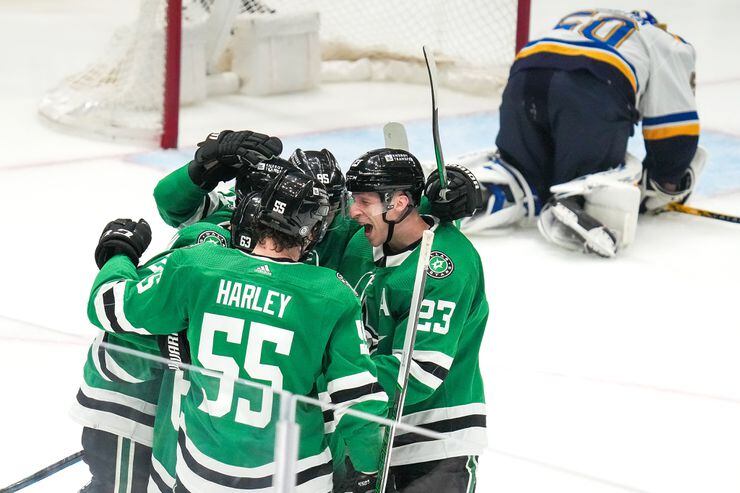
x,y
404,369
44,473
702,212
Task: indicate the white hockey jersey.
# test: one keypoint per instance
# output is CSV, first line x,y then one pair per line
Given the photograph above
x,y
653,67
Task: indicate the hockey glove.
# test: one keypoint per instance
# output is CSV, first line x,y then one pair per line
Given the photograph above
x,y
124,236
656,196
221,156
463,198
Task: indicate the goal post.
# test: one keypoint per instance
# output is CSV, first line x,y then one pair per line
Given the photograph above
x,y
179,52
171,107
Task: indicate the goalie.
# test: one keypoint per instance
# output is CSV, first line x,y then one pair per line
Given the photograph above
x,y
569,107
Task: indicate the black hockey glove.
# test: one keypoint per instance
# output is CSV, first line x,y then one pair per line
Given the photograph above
x,y
123,236
221,156
463,193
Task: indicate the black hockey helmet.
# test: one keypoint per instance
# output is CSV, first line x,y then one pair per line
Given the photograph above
x,y
255,177
297,205
322,166
242,221
386,171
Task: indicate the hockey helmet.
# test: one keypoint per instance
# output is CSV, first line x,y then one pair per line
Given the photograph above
x,y
322,166
386,171
297,205
255,177
242,221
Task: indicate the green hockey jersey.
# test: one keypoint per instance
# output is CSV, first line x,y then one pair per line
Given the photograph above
x,y
120,391
328,252
181,203
445,389
261,320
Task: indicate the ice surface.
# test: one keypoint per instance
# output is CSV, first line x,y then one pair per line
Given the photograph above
x,y
601,376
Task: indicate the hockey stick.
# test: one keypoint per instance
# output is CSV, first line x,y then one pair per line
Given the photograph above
x,y
675,207
432,70
44,473
395,137
396,411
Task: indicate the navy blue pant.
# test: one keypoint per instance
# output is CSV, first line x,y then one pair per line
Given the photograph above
x,y
557,125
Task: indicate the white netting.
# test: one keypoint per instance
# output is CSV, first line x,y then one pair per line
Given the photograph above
x,y
121,94
473,40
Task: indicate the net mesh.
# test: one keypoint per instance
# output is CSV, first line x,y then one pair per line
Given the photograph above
x,y
120,95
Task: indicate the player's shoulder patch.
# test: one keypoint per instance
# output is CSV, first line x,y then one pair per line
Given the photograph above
x,y
211,236
440,265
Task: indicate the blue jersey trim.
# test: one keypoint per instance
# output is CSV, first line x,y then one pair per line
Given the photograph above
x,y
672,118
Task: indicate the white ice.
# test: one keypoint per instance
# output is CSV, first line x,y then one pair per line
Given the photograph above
x,y
601,376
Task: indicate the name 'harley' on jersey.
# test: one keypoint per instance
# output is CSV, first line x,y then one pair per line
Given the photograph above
x,y
250,297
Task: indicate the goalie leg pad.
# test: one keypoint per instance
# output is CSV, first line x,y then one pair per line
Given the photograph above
x,y
564,223
617,207
612,197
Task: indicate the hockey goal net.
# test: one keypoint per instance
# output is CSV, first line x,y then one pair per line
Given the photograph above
x,y
134,90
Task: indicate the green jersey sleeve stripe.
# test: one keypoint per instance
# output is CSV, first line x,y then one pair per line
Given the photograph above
x,y
207,206
353,394
447,426
115,408
427,372
109,309
107,365
158,475
350,382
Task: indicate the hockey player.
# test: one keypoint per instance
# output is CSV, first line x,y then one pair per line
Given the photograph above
x,y
569,107
187,195
323,166
445,388
227,434
119,396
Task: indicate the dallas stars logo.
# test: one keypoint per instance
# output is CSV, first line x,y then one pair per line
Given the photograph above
x,y
211,236
440,265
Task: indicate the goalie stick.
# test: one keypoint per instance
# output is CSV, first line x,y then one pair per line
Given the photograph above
x,y
675,207
394,134
396,410
44,473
